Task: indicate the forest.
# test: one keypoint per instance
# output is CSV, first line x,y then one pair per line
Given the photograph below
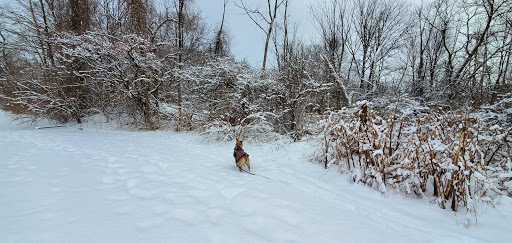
x,y
412,97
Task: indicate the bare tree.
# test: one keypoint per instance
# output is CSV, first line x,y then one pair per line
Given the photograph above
x,y
35,23
473,35
333,24
258,17
425,48
492,9
378,27
459,50
295,85
220,38
180,34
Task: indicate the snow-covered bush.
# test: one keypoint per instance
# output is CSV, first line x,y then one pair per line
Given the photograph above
x,y
227,99
95,73
44,95
123,74
496,142
418,150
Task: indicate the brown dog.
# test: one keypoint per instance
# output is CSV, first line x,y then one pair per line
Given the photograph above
x,y
241,157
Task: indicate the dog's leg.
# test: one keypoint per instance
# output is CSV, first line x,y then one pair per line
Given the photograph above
x,y
239,165
248,164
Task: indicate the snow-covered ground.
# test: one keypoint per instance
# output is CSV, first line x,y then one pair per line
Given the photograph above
x,y
93,185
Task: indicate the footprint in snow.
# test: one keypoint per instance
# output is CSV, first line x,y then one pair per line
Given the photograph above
x,y
70,148
124,210
162,166
54,181
149,169
20,173
140,193
230,193
13,166
190,215
57,189
63,171
109,180
214,214
201,194
130,183
146,224
118,196
161,208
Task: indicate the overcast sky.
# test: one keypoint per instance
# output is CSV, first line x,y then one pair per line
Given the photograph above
x,y
248,41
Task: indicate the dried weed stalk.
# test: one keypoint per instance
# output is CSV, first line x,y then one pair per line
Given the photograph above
x,y
452,157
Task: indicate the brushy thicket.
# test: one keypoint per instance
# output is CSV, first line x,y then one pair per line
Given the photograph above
x,y
227,100
224,100
456,158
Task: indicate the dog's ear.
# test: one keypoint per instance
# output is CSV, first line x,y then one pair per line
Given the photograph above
x,y
237,140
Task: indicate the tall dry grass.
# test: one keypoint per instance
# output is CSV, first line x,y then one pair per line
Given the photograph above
x,y
454,158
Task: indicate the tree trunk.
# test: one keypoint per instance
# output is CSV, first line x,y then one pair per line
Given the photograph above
x,y
266,44
47,33
343,92
219,46
180,48
38,32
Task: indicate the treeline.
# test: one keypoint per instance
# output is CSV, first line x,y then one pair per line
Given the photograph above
x,y
447,50
157,63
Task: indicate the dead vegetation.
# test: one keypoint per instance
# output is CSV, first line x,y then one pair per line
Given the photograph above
x,y
455,158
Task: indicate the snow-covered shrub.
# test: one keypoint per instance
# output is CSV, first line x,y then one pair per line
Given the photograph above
x,y
257,128
422,151
44,96
497,141
228,100
123,74
95,73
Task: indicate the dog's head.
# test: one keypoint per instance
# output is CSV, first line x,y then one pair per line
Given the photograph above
x,y
239,143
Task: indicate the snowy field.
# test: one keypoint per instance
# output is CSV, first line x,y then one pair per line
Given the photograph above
x,y
94,185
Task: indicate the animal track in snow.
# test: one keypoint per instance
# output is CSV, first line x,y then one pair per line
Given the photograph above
x,y
62,171
142,193
120,196
230,193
